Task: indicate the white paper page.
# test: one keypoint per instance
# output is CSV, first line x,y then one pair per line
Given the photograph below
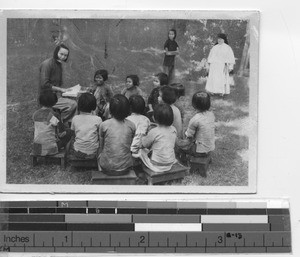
x,y
73,91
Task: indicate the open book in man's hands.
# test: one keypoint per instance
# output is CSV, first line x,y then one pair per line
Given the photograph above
x,y
73,91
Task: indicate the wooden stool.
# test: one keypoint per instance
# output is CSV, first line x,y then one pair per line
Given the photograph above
x,y
102,179
179,89
177,171
200,164
61,156
82,163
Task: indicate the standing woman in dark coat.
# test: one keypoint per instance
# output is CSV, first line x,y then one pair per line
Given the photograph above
x,y
51,79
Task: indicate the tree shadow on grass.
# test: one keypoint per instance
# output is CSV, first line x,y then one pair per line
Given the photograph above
x,y
228,168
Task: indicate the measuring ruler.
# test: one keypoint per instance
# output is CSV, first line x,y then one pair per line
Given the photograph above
x,y
145,227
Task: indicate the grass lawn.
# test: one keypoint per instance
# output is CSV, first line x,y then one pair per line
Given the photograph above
x,y
229,166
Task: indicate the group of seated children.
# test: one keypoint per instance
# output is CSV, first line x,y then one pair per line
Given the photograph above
x,y
117,129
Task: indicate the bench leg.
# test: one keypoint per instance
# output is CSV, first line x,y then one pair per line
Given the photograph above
x,y
33,161
63,163
149,181
201,169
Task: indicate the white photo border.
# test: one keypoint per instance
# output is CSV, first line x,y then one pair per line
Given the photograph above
x,y
252,16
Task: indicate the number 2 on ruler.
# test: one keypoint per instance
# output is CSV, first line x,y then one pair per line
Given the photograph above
x,y
142,239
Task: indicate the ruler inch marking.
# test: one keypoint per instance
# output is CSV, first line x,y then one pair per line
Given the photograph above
x,y
72,235
246,238
186,239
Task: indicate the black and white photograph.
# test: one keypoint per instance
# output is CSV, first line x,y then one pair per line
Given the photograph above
x,y
130,101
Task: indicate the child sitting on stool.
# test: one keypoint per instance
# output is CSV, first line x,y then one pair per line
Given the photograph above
x,y
141,122
50,134
86,127
160,80
103,93
201,128
169,96
160,142
132,86
116,136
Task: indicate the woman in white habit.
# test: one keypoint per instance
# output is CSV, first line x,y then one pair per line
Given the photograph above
x,y
220,62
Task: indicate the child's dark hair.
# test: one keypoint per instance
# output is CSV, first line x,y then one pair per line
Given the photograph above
x,y
169,95
163,114
137,104
47,98
135,79
56,50
102,73
201,101
87,102
175,33
119,107
163,78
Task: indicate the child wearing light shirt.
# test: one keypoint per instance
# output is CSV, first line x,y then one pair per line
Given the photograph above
x,y
86,127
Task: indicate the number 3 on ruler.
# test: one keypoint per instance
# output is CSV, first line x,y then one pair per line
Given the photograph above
x,y
220,239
